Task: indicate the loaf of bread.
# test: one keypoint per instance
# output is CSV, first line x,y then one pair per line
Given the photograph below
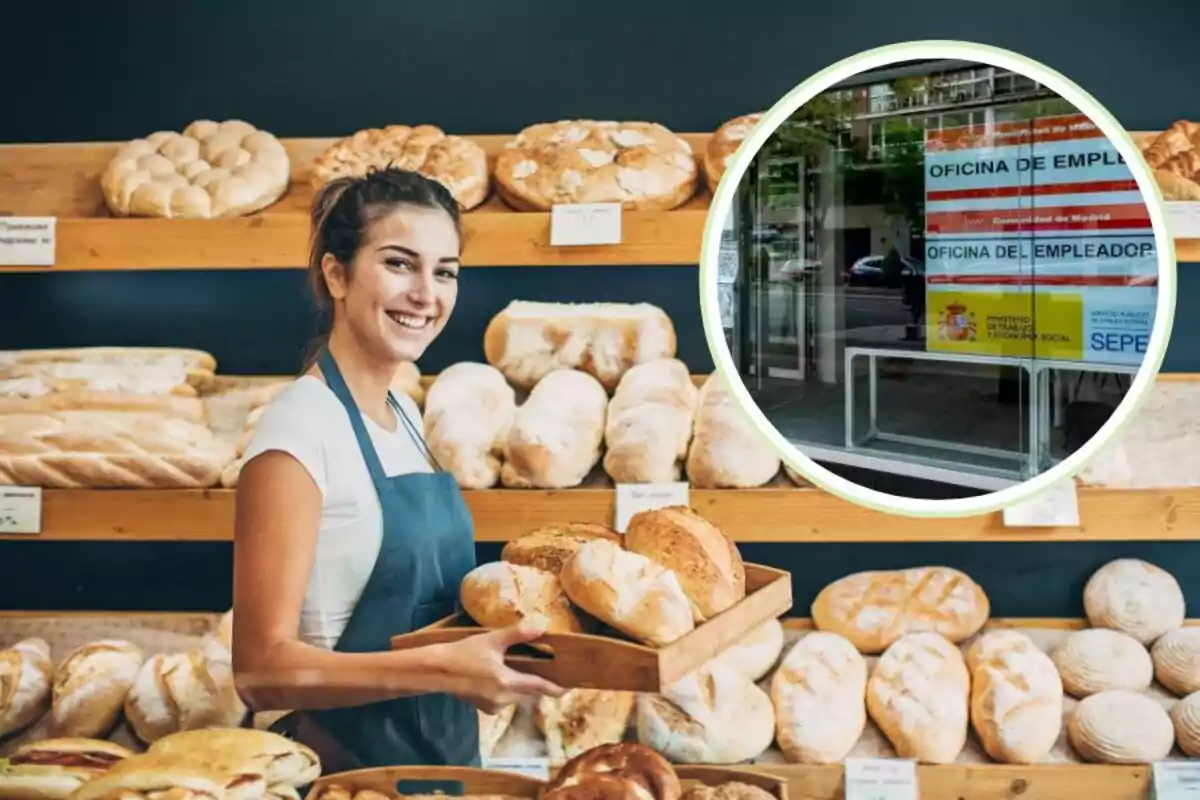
x,y
1176,657
557,434
83,378
199,366
457,163
641,165
582,719
719,152
529,340
701,555
492,728
650,423
499,594
629,592
1185,715
90,686
918,695
1100,659
212,169
727,451
819,694
26,671
183,691
548,548
101,450
1120,727
874,609
469,411
1016,697
42,396
754,654
712,716
1134,597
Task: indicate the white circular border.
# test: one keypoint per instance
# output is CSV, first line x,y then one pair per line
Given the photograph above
x,y
874,59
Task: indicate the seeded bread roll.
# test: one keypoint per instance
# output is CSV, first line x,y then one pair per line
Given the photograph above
x,y
1016,697
549,548
1100,659
26,671
90,687
1120,727
1134,597
1176,656
582,719
499,594
819,694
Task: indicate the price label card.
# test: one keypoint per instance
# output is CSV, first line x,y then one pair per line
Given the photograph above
x,y
1057,507
1176,780
635,497
21,509
881,779
581,224
538,768
27,241
1183,220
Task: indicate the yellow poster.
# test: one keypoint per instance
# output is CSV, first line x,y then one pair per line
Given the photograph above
x,y
1006,323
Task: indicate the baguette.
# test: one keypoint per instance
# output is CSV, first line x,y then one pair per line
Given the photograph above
x,y
1016,697
650,423
819,696
727,452
199,366
26,671
469,411
90,687
556,436
529,340
97,379
27,397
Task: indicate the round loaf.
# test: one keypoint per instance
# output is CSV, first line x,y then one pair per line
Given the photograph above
x,y
1099,659
755,653
1185,715
719,151
707,562
1176,656
457,163
1120,727
918,695
90,687
499,594
1016,697
629,592
733,790
1134,597
582,719
652,774
549,548
875,609
26,671
712,716
212,169
819,694
182,691
492,728
641,165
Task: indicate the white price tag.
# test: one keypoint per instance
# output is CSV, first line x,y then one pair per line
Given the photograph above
x,y
580,224
1183,220
538,768
1176,780
881,779
27,241
1057,507
21,509
635,497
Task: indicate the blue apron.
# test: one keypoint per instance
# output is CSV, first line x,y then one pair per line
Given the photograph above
x,y
428,547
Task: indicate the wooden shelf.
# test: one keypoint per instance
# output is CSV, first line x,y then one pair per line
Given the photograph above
x,y
775,514
62,180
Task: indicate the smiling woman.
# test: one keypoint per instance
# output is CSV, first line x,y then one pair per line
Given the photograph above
x,y
348,531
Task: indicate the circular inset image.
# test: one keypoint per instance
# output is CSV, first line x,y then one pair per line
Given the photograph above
x,y
936,276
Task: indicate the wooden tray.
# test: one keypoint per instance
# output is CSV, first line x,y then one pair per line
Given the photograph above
x,y
397,781
588,661
711,775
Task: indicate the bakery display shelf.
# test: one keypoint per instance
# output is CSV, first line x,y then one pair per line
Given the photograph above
x,y
778,513
63,181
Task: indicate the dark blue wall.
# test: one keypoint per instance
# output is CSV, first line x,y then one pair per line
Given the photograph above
x,y
303,68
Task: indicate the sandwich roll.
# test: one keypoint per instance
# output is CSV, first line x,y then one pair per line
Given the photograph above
x,y
183,691
1100,659
557,434
52,769
705,560
1016,697
755,653
149,777
1134,597
499,594
279,759
727,452
90,687
650,423
819,695
550,547
26,673
468,413
582,719
1120,727
629,592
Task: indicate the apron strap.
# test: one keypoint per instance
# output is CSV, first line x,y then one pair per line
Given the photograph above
x,y
333,376
414,433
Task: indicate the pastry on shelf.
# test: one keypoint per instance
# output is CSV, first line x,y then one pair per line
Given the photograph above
x,y
528,340
650,423
457,163
1099,659
1174,159
1120,727
727,452
582,719
557,433
1134,597
641,165
52,769
1016,697
26,672
719,151
210,170
90,686
819,695
550,547
469,411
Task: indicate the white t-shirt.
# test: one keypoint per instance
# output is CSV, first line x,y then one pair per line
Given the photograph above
x,y
307,421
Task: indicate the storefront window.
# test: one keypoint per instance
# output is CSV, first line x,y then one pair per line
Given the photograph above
x,y
958,290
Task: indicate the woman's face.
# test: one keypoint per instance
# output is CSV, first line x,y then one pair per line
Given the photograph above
x,y
403,284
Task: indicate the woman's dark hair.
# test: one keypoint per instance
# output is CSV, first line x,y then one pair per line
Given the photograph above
x,y
343,211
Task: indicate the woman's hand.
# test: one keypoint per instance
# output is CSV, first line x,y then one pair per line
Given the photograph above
x,y
479,675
